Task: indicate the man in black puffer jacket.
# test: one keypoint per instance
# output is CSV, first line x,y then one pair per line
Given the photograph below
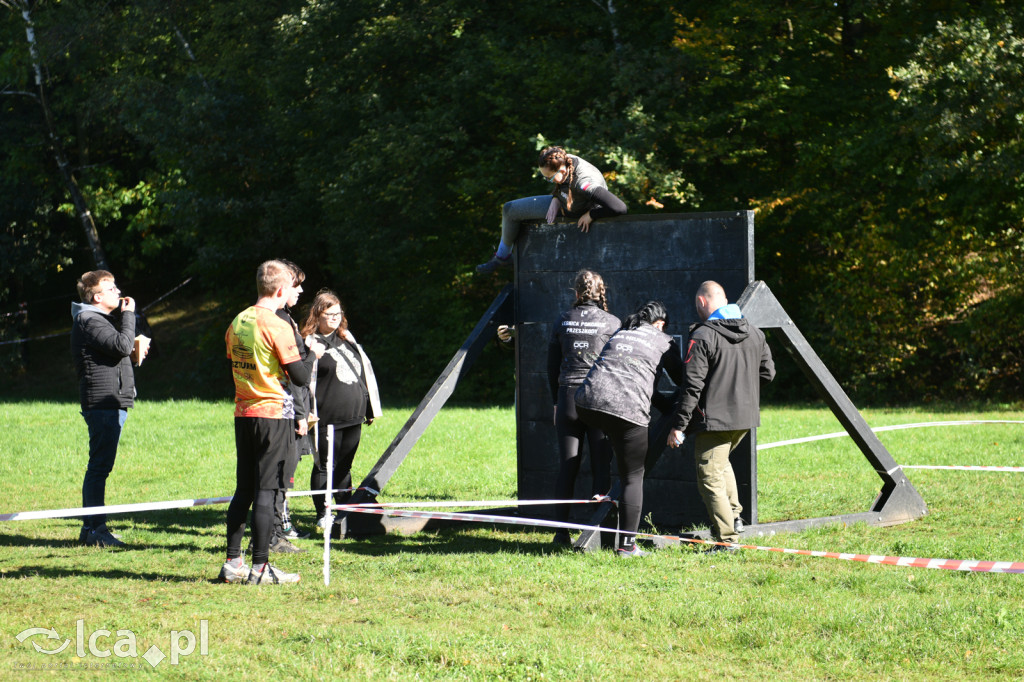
x,y
102,343
726,359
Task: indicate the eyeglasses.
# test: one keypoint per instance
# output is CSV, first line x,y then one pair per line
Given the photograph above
x,y
333,315
107,291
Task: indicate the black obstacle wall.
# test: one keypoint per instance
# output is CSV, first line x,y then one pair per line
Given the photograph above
x,y
645,257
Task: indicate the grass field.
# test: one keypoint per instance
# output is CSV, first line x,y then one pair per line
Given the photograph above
x,y
481,604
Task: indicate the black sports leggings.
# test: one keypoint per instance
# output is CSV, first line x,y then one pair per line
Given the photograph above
x,y
346,442
629,441
262,502
571,432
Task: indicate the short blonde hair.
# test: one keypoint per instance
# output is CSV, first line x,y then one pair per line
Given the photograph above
x,y
271,275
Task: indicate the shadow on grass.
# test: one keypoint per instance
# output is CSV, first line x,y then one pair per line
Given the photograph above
x,y
41,571
26,541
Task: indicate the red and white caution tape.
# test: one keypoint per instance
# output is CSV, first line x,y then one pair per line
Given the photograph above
x,y
909,562
596,499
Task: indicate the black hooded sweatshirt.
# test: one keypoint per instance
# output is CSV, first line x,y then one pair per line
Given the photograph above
x,y
722,371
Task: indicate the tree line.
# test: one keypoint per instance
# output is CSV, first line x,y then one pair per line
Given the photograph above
x,y
879,143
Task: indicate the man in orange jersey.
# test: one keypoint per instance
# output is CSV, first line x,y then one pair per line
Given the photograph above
x,y
265,361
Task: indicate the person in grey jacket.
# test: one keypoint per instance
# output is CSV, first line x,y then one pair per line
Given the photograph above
x,y
726,360
616,398
580,193
102,345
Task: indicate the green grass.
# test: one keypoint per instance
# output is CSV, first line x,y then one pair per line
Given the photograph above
x,y
476,603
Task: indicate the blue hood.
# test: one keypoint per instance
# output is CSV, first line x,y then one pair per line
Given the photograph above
x,y
729,311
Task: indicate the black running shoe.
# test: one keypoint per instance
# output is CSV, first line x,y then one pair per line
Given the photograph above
x,y
493,264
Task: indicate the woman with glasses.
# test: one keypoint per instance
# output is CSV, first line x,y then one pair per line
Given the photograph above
x,y
346,396
580,193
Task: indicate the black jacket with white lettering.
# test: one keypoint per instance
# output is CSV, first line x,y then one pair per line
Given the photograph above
x,y
726,360
622,380
577,337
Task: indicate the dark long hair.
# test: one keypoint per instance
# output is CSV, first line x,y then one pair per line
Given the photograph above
x,y
649,312
553,158
589,286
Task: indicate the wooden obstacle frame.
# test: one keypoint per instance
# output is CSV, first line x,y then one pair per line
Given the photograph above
x,y
663,257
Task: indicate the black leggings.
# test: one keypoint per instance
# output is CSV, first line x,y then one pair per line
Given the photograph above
x,y
571,432
629,441
346,442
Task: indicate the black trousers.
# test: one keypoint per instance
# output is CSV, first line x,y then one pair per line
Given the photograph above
x,y
629,442
261,448
346,442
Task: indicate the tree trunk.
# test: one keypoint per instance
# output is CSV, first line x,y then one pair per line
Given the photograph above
x,y
66,173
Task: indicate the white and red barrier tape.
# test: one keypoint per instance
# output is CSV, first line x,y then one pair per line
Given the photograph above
x,y
909,562
148,506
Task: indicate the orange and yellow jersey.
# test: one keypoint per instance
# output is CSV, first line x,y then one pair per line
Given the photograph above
x,y
259,344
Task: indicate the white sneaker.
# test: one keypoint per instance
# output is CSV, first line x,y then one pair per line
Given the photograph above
x,y
230,574
634,553
272,576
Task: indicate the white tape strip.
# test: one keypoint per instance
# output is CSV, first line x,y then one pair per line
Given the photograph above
x,y
147,506
877,429
963,468
113,509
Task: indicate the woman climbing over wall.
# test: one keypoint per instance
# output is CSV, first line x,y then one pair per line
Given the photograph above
x,y
580,193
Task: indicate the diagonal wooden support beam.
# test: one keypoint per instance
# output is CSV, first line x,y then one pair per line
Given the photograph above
x,y
590,540
898,500
433,401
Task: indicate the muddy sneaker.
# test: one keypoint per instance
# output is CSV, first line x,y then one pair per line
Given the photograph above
x,y
271,576
727,549
493,264
633,553
229,573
